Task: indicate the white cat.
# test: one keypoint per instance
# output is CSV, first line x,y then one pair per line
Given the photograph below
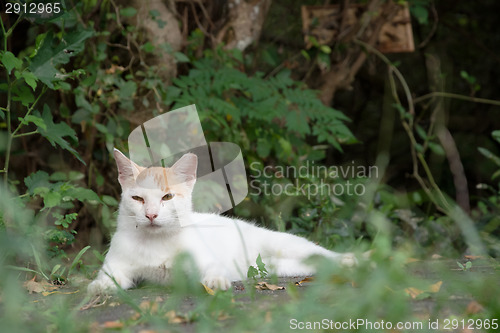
x,y
149,234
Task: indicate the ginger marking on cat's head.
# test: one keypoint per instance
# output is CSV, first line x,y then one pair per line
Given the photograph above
x,y
156,196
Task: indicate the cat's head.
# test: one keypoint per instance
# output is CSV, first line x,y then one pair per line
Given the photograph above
x,y
156,199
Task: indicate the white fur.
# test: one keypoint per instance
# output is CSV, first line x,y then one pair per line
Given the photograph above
x,y
222,248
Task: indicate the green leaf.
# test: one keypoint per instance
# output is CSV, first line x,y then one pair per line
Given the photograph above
x,y
30,79
325,49
324,60
496,135
436,148
285,146
23,94
10,61
419,148
180,57
56,133
488,154
127,89
252,272
83,194
263,147
36,180
35,120
51,199
101,128
270,56
421,132
297,121
305,55
109,200
76,261
128,12
420,13
148,47
44,63
261,266
38,43
55,269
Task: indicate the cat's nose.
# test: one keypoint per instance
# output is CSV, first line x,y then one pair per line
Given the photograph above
x,y
151,217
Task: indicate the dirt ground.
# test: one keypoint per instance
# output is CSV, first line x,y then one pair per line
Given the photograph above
x,y
113,308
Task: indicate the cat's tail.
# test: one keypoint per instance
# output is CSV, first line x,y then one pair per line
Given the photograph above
x,y
291,251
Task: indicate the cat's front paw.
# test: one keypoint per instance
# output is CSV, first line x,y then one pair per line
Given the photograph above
x,y
104,284
348,260
216,281
101,287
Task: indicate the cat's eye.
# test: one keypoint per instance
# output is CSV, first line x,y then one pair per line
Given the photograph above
x,y
167,196
138,198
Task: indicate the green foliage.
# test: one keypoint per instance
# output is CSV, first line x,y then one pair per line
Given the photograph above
x,y
260,270
52,52
466,267
267,116
29,77
419,9
489,205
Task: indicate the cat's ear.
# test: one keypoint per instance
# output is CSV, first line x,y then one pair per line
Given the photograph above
x,y
127,170
185,168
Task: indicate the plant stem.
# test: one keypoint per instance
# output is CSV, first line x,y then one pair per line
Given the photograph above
x,y
28,112
456,96
24,134
393,68
434,192
9,134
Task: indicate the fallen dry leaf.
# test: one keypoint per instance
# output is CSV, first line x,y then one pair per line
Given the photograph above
x,y
434,288
38,287
268,286
47,293
112,324
174,318
410,260
473,307
150,306
136,316
415,292
223,316
209,290
306,280
436,256
473,257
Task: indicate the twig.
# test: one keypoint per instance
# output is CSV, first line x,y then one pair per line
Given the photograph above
x,y
396,71
433,29
457,96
